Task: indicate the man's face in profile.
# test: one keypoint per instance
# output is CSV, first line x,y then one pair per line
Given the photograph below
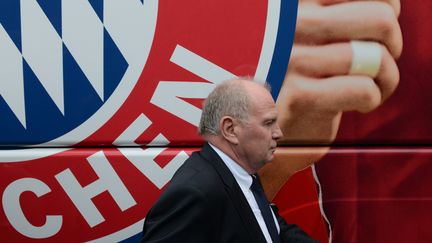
x,y
259,134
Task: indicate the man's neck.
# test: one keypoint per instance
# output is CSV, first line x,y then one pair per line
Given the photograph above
x,y
229,149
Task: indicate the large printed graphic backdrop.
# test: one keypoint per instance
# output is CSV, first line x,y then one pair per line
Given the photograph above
x,y
98,79
132,82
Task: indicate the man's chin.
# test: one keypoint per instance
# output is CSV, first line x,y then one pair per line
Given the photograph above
x,y
269,159
271,154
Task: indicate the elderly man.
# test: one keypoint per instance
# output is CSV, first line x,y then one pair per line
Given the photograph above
x,y
216,196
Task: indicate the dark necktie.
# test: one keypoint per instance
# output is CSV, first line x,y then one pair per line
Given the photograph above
x,y
264,207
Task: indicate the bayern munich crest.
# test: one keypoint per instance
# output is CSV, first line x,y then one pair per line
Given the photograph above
x,y
68,65
114,85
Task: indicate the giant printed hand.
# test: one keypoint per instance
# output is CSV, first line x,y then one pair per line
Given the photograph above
x,y
329,74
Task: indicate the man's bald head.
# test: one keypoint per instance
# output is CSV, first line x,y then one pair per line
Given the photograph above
x,y
230,98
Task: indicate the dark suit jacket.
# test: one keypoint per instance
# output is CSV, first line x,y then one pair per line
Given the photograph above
x,y
203,203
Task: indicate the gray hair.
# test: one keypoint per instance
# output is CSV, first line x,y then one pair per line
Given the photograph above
x,y
229,98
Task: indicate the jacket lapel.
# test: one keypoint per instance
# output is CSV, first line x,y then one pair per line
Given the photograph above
x,y
235,193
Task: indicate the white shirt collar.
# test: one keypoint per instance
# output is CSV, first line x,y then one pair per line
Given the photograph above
x,y
241,175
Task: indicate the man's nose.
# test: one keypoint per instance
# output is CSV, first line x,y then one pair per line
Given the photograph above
x,y
277,132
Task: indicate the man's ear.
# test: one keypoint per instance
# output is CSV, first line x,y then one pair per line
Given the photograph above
x,y
228,129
